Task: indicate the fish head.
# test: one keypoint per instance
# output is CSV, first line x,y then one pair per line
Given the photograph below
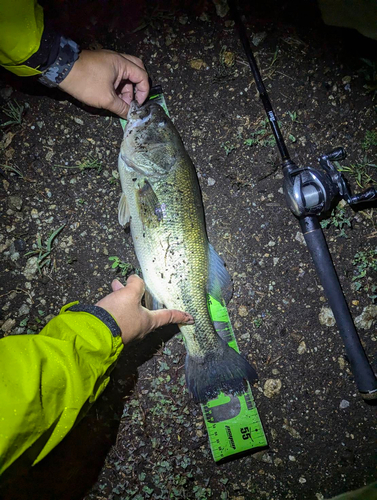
x,y
150,144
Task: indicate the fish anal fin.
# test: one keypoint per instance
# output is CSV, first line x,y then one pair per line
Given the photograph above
x,y
220,285
123,211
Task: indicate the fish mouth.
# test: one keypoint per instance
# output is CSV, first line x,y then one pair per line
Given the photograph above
x,y
138,115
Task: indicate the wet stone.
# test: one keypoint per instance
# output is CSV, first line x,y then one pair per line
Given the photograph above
x,y
15,203
326,317
8,325
367,317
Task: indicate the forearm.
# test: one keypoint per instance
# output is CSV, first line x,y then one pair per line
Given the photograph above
x,y
50,380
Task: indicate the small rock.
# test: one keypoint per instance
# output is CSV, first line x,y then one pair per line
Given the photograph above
x,y
6,92
14,256
19,245
222,7
31,268
301,348
272,387
302,480
342,363
258,38
266,457
326,317
295,434
23,310
8,325
78,120
34,213
300,238
367,317
18,331
346,79
198,64
243,311
228,58
344,404
15,203
48,318
182,19
211,181
292,458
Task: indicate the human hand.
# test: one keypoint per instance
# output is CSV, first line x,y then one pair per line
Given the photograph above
x,y
106,79
134,320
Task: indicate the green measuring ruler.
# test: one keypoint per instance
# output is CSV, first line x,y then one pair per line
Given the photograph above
x,y
233,423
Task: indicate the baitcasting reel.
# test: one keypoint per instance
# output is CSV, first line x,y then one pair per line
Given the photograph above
x,y
310,191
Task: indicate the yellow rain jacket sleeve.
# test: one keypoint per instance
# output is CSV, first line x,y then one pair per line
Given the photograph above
x,y
48,382
21,28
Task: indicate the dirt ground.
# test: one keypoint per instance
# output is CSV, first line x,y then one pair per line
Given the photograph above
x,y
145,438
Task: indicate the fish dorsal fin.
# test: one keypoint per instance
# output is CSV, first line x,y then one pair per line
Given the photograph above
x,y
220,284
151,302
123,211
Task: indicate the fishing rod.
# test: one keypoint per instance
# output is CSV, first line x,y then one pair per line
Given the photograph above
x,y
310,192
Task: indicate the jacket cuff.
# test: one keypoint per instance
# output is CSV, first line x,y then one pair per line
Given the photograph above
x,y
68,52
99,313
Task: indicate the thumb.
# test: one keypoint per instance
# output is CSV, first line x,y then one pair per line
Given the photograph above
x,y
163,317
116,285
118,106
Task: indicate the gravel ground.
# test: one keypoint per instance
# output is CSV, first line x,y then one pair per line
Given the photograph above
x,y
145,439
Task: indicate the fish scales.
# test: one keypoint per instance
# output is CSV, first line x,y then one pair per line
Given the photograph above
x,y
162,201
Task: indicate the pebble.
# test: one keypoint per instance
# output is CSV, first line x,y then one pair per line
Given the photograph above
x,y
23,310
78,120
211,181
342,363
15,203
367,317
198,64
302,480
243,311
8,325
34,213
344,404
300,238
301,348
6,92
272,387
31,268
326,317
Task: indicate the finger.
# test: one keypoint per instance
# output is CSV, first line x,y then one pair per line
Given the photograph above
x,y
136,285
163,317
118,106
135,60
139,77
116,285
127,93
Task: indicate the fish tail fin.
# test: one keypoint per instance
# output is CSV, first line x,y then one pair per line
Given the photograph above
x,y
221,370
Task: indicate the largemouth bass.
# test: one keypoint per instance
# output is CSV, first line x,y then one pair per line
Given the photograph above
x,y
162,201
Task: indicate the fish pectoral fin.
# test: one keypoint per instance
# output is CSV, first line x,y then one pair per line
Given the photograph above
x,y
151,302
151,210
123,211
220,285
